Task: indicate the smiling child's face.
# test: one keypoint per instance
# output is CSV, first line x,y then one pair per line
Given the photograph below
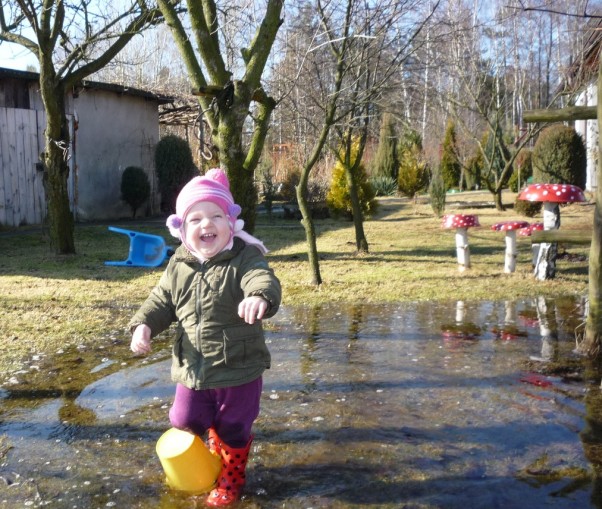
x,y
207,229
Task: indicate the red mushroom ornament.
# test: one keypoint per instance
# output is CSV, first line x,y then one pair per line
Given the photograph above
x,y
551,195
461,222
510,227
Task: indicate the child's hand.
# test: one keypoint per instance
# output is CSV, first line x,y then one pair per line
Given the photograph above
x,y
252,308
141,343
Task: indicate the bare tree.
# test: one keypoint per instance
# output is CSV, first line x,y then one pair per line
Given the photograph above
x,y
151,62
492,66
71,41
225,50
351,56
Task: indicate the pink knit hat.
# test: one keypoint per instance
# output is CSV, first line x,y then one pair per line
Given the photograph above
x,y
213,187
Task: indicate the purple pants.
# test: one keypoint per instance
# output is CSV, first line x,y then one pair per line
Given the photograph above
x,y
231,411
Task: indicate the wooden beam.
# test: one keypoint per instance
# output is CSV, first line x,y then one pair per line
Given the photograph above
x,y
209,90
569,113
583,237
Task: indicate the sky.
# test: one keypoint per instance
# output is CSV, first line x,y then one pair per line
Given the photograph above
x,y
16,57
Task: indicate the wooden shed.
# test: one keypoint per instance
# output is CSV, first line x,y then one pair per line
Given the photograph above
x,y
112,127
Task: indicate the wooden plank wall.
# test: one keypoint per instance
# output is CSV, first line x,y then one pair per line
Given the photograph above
x,y
22,199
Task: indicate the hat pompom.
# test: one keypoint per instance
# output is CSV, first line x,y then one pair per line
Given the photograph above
x,y
174,223
219,176
234,210
238,225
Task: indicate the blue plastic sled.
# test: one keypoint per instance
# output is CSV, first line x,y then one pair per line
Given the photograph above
x,y
145,250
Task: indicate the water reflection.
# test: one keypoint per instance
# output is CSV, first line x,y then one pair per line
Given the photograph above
x,y
365,405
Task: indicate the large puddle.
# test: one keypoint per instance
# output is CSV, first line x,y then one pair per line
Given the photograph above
x,y
428,405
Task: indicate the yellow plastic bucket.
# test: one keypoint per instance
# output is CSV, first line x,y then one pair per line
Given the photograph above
x,y
187,462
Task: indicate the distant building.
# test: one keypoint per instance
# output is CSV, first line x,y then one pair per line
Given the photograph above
x,y
112,127
582,83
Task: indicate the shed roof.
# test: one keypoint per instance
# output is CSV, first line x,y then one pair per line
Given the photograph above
x,y
110,87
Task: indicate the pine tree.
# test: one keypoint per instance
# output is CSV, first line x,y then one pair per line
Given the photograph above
x,y
451,168
413,170
386,162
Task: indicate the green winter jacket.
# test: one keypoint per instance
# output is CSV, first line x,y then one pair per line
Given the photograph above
x,y
213,346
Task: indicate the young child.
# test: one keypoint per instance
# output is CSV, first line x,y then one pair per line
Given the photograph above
x,y
217,287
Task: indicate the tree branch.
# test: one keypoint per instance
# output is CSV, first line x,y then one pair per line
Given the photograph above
x,y
258,52
145,18
195,72
208,45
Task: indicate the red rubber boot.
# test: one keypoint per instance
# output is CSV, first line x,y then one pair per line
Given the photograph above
x,y
213,442
231,480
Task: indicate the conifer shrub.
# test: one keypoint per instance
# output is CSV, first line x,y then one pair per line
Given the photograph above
x,y
286,189
386,160
474,168
338,198
437,192
523,170
559,157
135,187
413,169
175,167
450,166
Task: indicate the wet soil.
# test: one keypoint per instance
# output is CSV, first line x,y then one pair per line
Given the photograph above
x,y
427,405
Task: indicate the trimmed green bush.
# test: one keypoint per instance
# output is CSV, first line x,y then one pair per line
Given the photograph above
x,y
135,187
339,199
559,157
175,167
527,208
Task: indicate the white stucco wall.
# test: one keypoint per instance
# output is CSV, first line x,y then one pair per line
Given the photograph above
x,y
114,131
588,129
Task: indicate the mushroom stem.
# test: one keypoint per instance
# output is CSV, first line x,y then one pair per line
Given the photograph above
x,y
459,311
511,251
551,216
545,266
462,249
547,330
534,255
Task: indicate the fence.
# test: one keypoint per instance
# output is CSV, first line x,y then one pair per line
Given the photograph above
x,y
22,197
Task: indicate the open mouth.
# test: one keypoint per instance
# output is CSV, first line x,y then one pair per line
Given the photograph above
x,y
208,237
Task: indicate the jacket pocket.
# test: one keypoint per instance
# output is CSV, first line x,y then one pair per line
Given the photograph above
x,y
244,346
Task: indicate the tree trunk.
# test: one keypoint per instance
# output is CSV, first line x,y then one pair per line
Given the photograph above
x,y
497,199
56,167
593,325
361,243
229,140
310,232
